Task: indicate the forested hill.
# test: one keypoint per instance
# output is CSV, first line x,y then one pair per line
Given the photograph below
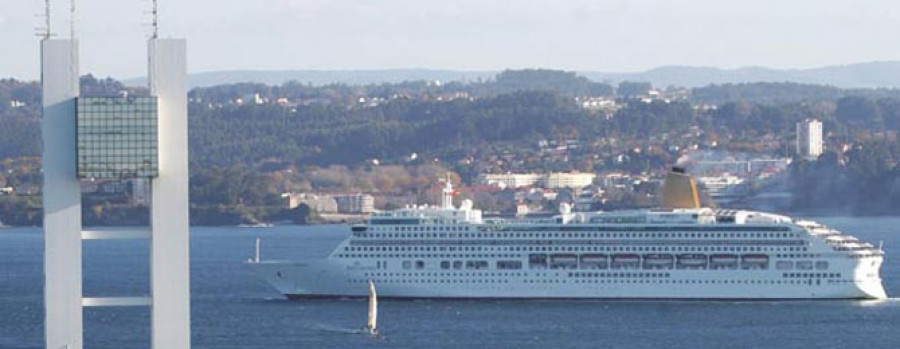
x,y
297,124
19,112
251,142
335,135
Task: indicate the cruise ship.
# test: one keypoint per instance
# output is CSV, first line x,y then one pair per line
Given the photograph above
x,y
679,251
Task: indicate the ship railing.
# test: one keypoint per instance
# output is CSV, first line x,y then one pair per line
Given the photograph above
x,y
518,221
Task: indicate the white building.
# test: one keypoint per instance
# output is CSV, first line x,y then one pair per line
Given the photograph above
x,y
809,138
510,180
252,99
317,203
568,180
549,180
356,203
724,188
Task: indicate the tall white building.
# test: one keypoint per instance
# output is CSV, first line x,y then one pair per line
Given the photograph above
x,y
809,138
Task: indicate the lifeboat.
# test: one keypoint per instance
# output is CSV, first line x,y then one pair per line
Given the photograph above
x,y
658,261
626,261
594,261
563,261
692,261
723,261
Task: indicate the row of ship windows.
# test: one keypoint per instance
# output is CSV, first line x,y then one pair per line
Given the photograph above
x,y
516,265
574,249
812,275
817,282
452,274
714,235
801,265
619,275
852,249
452,255
622,261
799,255
613,275
460,255
419,228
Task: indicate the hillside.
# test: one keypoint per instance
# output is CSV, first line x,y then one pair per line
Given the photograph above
x,y
326,77
859,75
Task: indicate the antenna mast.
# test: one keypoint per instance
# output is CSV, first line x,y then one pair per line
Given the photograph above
x,y
154,20
74,51
44,31
72,20
47,18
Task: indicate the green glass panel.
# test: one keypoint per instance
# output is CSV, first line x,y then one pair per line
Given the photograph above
x,y
117,137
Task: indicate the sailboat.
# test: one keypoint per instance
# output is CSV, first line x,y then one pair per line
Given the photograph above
x,y
373,310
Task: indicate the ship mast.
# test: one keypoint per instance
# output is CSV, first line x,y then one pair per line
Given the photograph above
x,y
447,194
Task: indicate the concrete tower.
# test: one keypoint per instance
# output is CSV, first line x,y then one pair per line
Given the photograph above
x,y
170,267
121,138
62,195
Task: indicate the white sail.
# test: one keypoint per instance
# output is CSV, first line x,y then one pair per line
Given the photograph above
x,y
373,309
256,257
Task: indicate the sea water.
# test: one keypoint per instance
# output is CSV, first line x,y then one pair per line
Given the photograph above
x,y
233,309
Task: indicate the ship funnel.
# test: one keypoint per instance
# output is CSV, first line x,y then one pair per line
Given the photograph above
x,y
680,190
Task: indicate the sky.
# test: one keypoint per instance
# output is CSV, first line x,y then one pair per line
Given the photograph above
x,y
583,35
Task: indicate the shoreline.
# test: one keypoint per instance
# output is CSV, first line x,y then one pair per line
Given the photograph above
x,y
349,219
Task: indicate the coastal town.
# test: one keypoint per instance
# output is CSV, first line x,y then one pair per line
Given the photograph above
x,y
593,145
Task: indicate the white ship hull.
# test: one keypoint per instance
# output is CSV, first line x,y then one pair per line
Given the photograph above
x,y
331,280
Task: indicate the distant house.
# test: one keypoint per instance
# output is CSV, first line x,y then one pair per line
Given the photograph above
x,y
27,189
251,99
